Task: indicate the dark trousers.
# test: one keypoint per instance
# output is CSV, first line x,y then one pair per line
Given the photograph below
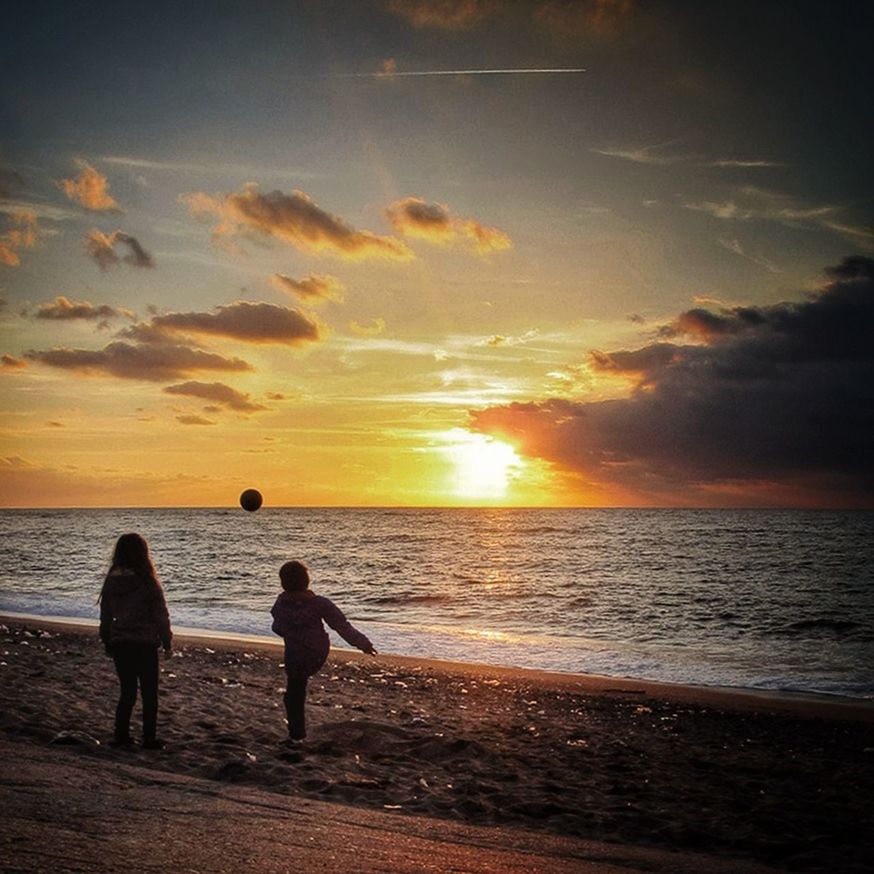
x,y
136,664
295,701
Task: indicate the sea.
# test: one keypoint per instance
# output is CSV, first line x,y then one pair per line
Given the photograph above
x,y
756,599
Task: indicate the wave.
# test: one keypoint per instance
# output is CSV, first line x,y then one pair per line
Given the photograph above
x,y
821,625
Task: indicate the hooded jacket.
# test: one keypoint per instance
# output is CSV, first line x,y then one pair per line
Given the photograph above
x,y
298,617
133,610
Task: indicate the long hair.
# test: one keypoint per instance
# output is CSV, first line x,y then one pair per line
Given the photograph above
x,y
132,554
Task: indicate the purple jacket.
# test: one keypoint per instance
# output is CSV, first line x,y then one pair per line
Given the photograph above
x,y
133,609
297,617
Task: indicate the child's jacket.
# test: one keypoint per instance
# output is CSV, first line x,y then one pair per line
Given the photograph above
x,y
298,617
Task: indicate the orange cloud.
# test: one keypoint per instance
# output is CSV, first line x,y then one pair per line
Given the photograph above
x,y
443,14
100,247
218,393
22,235
415,217
251,322
294,219
313,287
10,362
61,308
89,189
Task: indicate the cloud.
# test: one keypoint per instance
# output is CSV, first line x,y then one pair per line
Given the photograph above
x,y
61,308
294,219
443,14
768,403
756,204
218,393
100,247
10,362
194,420
737,248
20,235
433,222
250,322
503,340
574,18
644,154
373,328
312,288
89,189
155,363
562,19
246,171
745,163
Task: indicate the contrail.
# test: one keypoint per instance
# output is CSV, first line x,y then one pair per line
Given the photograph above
x,y
510,72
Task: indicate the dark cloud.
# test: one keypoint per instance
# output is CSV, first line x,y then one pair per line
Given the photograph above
x,y
776,400
194,420
101,247
61,308
294,219
218,393
443,14
156,363
251,322
562,19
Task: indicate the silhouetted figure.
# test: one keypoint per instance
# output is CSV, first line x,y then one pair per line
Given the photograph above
x,y
133,622
297,618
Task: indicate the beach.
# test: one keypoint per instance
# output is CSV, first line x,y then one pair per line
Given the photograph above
x,y
448,765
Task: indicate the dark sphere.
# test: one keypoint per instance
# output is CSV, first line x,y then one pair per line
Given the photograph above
x,y
251,500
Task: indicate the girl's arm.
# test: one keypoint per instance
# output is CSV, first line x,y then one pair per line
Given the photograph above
x,y
162,618
333,615
105,617
278,626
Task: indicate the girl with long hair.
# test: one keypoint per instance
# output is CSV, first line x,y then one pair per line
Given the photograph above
x,y
134,621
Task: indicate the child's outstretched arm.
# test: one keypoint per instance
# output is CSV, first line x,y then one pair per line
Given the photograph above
x,y
333,615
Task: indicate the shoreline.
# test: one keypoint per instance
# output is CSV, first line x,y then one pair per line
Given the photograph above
x,y
820,704
415,746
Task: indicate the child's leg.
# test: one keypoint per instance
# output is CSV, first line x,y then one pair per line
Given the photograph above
x,y
148,672
295,699
126,668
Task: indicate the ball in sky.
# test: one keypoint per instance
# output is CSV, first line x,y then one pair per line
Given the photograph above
x,y
251,500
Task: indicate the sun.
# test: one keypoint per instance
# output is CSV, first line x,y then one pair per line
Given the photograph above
x,y
483,466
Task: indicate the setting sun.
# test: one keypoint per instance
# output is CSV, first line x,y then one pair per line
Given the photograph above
x,y
483,465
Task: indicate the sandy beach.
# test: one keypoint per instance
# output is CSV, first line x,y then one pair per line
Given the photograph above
x,y
420,765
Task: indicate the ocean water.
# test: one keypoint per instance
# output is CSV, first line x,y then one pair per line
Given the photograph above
x,y
777,600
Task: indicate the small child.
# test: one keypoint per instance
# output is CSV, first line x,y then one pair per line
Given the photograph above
x,y
297,618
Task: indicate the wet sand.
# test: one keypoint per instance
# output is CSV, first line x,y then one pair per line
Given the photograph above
x,y
558,772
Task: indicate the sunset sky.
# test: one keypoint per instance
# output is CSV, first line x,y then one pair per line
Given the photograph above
x,y
437,252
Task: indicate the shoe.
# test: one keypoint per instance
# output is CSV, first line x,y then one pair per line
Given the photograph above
x,y
122,742
154,744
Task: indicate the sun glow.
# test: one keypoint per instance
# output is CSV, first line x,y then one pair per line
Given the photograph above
x,y
483,466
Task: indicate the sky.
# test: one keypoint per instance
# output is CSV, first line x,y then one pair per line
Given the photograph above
x,y
437,253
